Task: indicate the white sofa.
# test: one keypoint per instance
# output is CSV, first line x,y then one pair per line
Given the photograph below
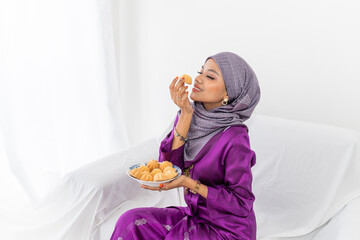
x,y
306,183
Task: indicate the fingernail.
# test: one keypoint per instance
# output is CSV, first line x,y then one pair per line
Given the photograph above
x,y
161,185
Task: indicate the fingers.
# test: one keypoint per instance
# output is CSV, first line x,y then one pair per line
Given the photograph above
x,y
152,188
179,84
178,87
172,88
149,188
182,90
185,97
179,93
173,82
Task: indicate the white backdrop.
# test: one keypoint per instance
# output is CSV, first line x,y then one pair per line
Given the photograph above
x,y
305,54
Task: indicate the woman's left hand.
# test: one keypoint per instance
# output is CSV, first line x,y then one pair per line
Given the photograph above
x,y
179,182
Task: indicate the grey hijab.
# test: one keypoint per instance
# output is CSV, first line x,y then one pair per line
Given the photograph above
x,y
243,91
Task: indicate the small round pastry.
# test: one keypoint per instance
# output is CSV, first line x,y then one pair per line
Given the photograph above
x,y
169,168
152,164
155,171
187,79
160,177
146,176
136,173
170,175
143,168
165,164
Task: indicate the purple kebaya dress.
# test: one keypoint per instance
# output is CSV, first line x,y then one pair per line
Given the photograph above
x,y
224,166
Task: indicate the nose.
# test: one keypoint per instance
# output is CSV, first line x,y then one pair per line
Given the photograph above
x,y
198,79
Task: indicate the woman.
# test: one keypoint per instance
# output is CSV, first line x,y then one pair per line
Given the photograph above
x,y
210,143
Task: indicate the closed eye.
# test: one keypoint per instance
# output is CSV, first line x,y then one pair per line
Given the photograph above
x,y
206,76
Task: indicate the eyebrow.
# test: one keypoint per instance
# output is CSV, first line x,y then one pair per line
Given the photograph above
x,y
211,70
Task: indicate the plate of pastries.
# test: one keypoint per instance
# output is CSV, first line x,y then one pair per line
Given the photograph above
x,y
153,172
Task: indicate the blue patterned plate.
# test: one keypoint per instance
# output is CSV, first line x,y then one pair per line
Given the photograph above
x,y
152,183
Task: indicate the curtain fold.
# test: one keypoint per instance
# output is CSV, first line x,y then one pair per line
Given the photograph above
x,y
60,103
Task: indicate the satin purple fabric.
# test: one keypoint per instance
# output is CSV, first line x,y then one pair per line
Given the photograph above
x,y
224,165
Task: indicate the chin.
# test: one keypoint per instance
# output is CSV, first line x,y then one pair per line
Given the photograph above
x,y
192,97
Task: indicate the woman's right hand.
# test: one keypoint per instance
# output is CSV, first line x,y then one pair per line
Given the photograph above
x,y
180,96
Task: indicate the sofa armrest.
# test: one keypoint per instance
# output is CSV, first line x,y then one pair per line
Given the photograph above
x,y
104,187
344,225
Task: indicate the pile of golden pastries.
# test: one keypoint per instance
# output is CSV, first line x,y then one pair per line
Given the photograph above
x,y
154,171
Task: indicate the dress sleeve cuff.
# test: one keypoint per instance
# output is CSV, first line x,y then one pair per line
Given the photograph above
x,y
211,195
217,203
212,201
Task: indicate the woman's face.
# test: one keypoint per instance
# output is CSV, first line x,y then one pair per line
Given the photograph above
x,y
209,86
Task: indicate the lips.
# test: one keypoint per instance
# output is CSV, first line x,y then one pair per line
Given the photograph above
x,y
196,88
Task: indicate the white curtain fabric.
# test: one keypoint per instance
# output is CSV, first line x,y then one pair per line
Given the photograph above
x,y
59,96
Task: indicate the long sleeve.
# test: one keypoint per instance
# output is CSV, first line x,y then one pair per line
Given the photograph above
x,y
175,156
236,196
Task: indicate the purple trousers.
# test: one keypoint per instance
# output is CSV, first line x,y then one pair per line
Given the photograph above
x,y
160,223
